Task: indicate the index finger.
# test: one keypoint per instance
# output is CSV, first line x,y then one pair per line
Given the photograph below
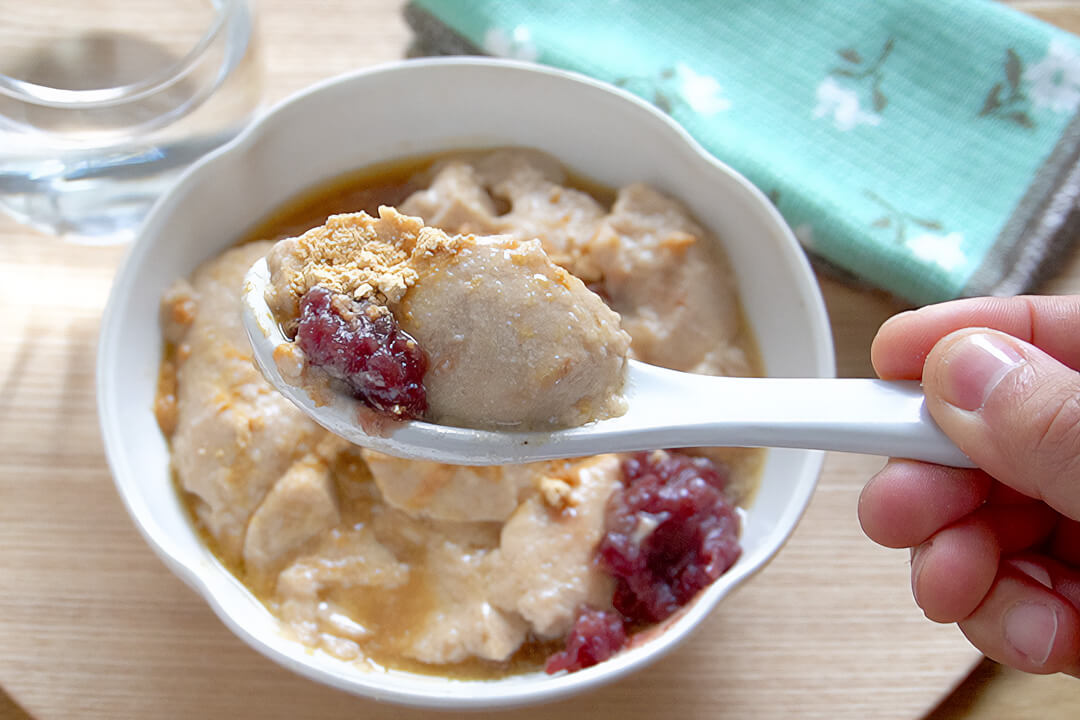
x,y
1050,322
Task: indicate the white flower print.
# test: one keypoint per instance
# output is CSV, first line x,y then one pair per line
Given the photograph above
x,y
804,233
1055,80
942,250
701,92
843,105
517,44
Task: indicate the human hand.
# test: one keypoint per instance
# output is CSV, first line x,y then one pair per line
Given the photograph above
x,y
995,550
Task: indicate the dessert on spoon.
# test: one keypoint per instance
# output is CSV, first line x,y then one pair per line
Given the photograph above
x,y
479,350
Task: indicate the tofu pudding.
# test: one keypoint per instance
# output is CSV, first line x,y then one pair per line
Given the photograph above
x,y
463,571
478,331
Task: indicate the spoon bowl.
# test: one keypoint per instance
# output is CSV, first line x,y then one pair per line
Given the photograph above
x,y
666,409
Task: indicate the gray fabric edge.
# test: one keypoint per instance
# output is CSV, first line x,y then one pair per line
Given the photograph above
x,y
1040,230
432,37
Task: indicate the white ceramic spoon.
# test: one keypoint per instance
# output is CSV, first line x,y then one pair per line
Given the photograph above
x,y
667,409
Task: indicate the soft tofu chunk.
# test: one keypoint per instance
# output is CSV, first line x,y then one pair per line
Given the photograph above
x,y
301,506
235,435
548,570
465,622
451,492
676,297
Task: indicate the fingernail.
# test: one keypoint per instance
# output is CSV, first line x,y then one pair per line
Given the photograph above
x,y
1031,628
973,368
1036,572
918,559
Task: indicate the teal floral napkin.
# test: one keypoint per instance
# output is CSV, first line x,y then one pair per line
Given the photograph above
x,y
926,147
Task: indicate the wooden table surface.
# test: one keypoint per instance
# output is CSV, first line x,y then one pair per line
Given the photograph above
x,y
92,625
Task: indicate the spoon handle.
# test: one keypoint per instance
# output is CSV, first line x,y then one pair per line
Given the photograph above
x,y
876,417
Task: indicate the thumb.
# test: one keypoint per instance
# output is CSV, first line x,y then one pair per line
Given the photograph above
x,y
1013,409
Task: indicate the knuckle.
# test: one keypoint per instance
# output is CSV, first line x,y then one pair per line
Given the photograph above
x,y
1057,434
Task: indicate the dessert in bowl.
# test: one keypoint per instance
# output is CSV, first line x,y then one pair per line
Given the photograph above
x,y
215,533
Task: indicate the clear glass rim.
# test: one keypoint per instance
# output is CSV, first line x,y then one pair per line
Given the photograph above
x,y
46,96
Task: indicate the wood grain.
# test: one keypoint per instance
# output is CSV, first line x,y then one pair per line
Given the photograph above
x,y
92,625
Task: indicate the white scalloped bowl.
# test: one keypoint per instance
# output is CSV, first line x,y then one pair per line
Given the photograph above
x,y
413,108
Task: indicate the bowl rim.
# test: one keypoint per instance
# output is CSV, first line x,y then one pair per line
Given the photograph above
x,y
554,687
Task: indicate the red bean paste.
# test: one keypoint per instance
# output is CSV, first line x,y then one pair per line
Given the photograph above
x,y
362,345
669,532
